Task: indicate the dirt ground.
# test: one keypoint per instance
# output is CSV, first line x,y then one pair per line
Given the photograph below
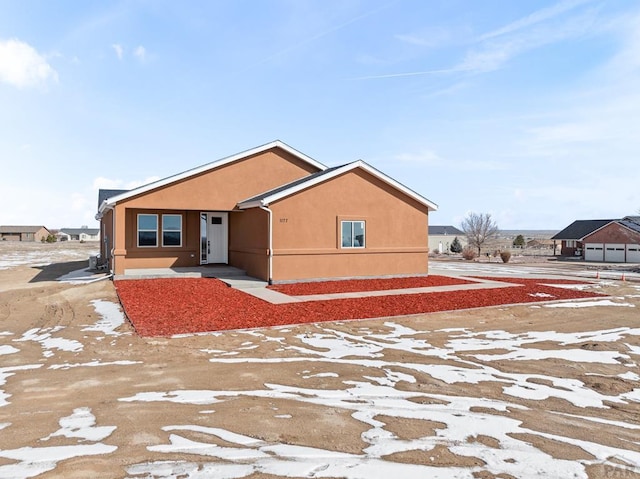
x,y
547,390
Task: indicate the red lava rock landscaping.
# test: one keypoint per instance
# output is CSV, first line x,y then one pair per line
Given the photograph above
x,y
164,307
355,285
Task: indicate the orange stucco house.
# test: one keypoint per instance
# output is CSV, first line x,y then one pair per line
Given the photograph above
x,y
273,212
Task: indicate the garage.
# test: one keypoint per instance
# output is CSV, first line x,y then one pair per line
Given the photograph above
x,y
633,253
614,252
594,252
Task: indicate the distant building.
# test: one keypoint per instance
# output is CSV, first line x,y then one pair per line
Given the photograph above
x,y
441,237
541,244
611,241
79,234
23,233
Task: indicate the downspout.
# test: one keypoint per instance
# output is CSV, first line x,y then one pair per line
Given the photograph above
x,y
103,239
109,251
113,240
270,246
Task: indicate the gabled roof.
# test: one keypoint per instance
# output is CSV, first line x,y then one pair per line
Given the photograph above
x,y
208,167
632,225
21,229
106,194
579,229
296,186
441,230
79,231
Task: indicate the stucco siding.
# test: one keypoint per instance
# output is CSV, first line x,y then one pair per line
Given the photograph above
x,y
249,242
222,188
307,239
219,189
133,256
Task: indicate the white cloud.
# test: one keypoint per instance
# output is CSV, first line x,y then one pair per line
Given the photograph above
x,y
140,52
22,66
493,52
535,17
119,49
431,37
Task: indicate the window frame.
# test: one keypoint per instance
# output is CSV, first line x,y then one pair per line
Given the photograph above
x,y
179,231
353,236
139,230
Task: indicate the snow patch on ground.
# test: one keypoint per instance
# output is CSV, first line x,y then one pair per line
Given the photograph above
x,y
588,304
45,337
79,426
8,349
10,371
112,317
463,418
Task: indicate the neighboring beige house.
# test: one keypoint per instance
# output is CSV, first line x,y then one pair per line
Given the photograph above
x,y
79,234
273,212
23,233
441,237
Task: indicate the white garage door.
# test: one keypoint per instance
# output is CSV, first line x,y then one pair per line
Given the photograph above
x,y
594,252
633,253
614,252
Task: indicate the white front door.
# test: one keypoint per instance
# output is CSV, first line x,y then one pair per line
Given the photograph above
x,y
215,237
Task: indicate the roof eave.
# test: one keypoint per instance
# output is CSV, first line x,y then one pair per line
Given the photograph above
x,y
338,171
399,186
212,166
244,205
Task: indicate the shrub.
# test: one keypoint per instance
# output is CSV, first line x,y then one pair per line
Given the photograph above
x,y
469,254
506,256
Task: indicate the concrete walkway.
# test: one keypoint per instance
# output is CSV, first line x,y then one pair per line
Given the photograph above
x,y
276,297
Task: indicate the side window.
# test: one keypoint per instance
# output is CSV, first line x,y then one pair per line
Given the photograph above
x,y
147,230
171,230
353,234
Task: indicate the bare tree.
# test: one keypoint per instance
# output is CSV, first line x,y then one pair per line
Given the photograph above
x,y
479,228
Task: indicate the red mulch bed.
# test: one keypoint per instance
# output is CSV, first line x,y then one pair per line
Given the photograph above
x,y
164,307
355,285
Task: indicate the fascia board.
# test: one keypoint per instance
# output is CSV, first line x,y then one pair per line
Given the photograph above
x,y
307,184
338,171
210,166
399,186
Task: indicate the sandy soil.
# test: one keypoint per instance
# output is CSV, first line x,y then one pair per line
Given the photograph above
x,y
526,391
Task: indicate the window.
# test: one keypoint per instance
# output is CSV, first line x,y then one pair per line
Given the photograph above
x,y
171,230
352,234
147,230
571,243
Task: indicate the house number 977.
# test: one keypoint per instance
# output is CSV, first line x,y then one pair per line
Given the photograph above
x,y
284,220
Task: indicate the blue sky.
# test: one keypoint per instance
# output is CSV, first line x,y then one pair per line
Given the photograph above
x,y
528,110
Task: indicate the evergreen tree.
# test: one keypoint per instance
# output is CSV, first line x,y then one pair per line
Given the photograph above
x,y
519,241
456,246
